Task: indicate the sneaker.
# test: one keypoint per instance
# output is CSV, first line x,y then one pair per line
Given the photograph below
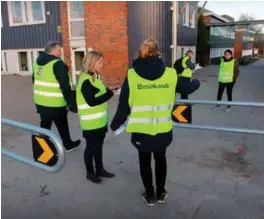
x,y
150,201
228,109
74,145
93,178
104,173
217,107
162,197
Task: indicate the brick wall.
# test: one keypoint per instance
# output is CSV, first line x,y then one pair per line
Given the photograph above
x,y
207,19
238,45
106,31
65,33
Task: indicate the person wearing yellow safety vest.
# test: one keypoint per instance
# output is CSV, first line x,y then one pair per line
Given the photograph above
x,y
92,97
228,73
184,68
147,97
53,95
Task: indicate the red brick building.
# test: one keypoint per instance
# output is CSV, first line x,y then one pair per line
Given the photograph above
x,y
105,29
115,28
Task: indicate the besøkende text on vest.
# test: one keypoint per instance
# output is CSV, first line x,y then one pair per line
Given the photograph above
x,y
152,86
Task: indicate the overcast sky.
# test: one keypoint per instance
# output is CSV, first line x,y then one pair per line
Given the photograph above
x,y
235,8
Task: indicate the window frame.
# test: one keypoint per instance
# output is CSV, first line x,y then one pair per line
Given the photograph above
x,y
192,24
186,15
29,14
73,20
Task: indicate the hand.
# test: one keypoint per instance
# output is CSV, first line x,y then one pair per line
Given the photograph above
x,y
114,89
72,109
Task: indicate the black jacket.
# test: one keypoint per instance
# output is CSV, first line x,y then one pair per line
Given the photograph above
x,y
89,92
150,68
60,70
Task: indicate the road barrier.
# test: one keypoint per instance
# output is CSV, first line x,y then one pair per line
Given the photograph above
x,y
45,139
189,103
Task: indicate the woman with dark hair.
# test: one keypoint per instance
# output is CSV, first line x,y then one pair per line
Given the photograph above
x,y
228,73
147,98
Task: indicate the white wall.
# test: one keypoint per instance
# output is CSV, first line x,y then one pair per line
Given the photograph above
x,y
247,52
13,61
218,52
185,49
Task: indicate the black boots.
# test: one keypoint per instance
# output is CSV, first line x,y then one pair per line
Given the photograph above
x,y
104,173
72,146
95,178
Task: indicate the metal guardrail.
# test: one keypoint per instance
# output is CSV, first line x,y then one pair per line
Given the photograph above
x,y
231,103
219,128
35,129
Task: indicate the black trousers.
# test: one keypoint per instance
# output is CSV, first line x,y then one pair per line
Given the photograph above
x,y
229,90
160,170
187,86
94,154
61,122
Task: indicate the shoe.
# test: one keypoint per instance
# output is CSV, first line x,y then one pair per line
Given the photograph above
x,y
162,197
217,107
74,145
92,177
228,109
104,173
150,201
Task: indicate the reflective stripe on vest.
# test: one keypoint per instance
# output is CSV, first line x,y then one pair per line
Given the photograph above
x,y
91,117
187,72
151,102
47,90
47,94
151,108
226,71
94,116
152,121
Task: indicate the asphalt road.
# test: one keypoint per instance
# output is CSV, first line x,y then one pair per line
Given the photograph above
x,y
207,178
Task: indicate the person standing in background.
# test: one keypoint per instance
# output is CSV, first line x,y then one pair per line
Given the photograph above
x,y
184,68
228,73
53,95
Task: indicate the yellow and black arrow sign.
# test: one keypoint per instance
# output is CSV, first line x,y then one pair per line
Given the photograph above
x,y
182,113
44,150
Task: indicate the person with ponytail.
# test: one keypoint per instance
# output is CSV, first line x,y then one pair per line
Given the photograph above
x,y
146,100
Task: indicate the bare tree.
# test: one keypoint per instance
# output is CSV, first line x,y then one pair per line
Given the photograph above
x,y
247,17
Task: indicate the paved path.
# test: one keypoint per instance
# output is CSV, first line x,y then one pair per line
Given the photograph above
x,y
206,178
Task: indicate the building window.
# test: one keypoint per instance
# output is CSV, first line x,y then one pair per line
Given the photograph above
x,y
182,52
192,16
26,13
40,52
186,14
23,62
78,55
32,57
6,67
76,19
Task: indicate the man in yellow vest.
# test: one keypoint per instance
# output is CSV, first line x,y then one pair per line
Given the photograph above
x,y
184,68
228,73
53,95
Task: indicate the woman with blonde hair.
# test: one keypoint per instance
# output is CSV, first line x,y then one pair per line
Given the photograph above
x,y
147,98
92,97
